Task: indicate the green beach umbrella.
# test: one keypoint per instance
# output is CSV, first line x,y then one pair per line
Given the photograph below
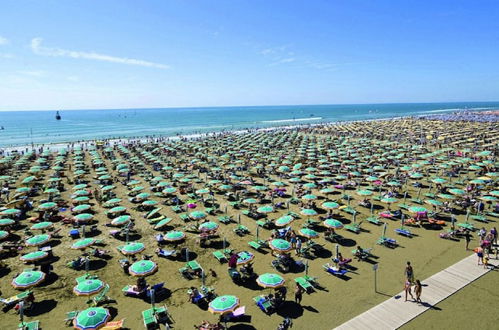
x,y
309,197
173,236
265,209
280,245
80,186
38,240
88,287
284,221
6,222
364,192
112,202
91,318
149,203
142,268
244,257
202,191
47,206
121,220
197,215
143,196
51,191
270,280
117,209
223,304
446,196
29,179
309,233
42,225
208,226
84,217
81,193
83,243
9,212
132,248
4,234
310,185
488,198
250,201
416,209
81,199
34,256
333,223
162,223
28,279
330,205
308,212
81,208
389,200
169,190
433,202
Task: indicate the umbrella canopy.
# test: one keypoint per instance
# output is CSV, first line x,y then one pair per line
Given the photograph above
x,y
265,209
117,209
121,220
38,240
28,279
223,304
84,217
309,233
433,202
284,221
208,226
143,268
34,256
42,225
91,318
6,222
4,234
416,209
88,287
132,248
280,245
10,212
330,205
308,212
83,243
81,208
197,215
162,223
333,223
270,280
244,257
250,201
364,192
173,236
47,206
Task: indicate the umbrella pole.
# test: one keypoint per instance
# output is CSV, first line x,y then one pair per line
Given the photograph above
x,y
152,292
187,254
87,262
384,230
306,268
224,244
83,231
257,231
203,277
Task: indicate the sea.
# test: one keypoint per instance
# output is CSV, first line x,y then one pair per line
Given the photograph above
x,y
22,128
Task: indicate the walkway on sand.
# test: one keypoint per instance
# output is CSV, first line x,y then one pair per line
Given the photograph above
x,y
395,312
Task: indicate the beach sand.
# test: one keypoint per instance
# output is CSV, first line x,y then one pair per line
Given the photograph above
x,y
340,300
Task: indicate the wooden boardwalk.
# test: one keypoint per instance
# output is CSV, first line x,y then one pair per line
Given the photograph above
x,y
395,312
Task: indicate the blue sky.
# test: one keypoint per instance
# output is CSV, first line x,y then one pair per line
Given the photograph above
x,y
159,53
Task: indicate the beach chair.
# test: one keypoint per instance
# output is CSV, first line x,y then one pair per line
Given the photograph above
x,y
374,220
310,223
130,292
176,209
114,325
15,299
304,284
184,217
480,217
255,245
265,223
220,256
335,238
33,325
153,317
100,298
334,271
236,314
263,303
235,205
293,214
70,316
166,253
403,231
366,253
354,227
225,219
154,221
241,230
388,242
194,266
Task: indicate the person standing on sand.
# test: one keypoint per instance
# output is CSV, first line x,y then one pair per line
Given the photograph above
x,y
409,272
467,237
417,291
298,294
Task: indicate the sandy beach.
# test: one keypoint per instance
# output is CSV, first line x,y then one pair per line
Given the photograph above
x,y
327,163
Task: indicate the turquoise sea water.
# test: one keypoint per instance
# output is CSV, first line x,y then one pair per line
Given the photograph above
x,y
25,127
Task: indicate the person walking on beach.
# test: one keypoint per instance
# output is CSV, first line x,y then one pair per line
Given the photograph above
x,y
417,291
467,237
407,289
298,294
409,272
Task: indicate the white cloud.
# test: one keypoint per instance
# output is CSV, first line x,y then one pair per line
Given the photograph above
x,y
3,41
36,46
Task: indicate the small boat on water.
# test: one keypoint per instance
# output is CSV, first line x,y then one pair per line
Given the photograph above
x,y
57,116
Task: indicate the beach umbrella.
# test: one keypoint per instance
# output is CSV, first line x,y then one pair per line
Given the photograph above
x,y
333,223
284,221
280,245
88,287
149,203
81,193
433,202
143,196
51,191
84,217
223,304
10,212
202,191
327,190
23,190
4,234
81,199
142,268
29,179
173,236
244,257
308,212
6,222
309,197
197,215
260,188
270,280
308,233
81,208
38,240
226,187
152,213
169,190
389,200
108,188
250,201
42,225
47,206
488,198
416,209
83,243
364,192
80,186
117,209
34,256
438,180
208,226
132,248
91,318
330,205
265,209
162,223
112,202
310,185
28,279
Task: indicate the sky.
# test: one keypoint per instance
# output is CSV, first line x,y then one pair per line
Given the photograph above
x,y
96,54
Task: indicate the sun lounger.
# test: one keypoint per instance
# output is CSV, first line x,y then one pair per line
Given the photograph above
x,y
33,325
374,220
265,223
225,219
114,325
390,242
100,298
403,231
166,253
466,225
129,291
220,256
184,217
176,209
349,210
15,299
241,230
194,265
480,217
70,316
255,245
334,271
264,304
366,253
154,316
355,227
304,284
335,238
